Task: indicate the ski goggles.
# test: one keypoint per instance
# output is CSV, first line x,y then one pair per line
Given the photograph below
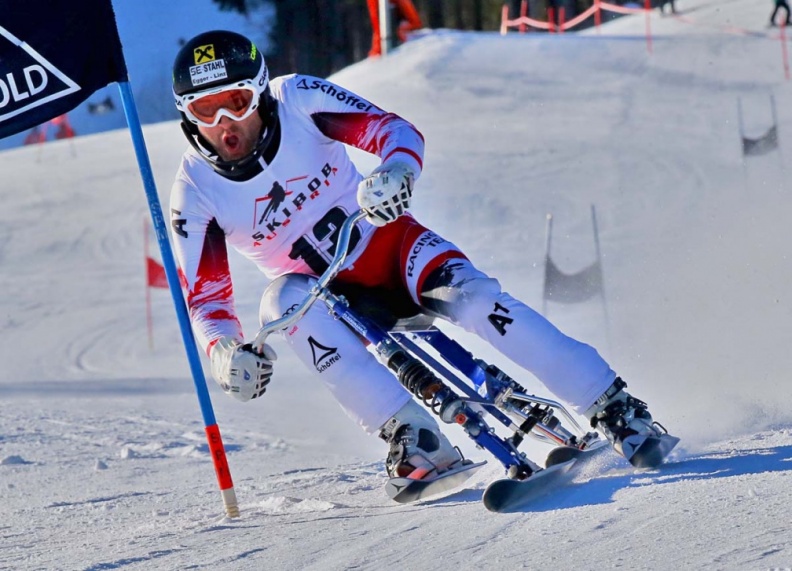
x,y
237,102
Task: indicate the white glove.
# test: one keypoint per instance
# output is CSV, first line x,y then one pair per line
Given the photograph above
x,y
385,193
239,371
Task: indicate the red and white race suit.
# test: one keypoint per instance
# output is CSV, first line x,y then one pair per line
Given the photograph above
x,y
285,219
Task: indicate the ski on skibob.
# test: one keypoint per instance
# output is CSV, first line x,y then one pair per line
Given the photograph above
x,y
508,495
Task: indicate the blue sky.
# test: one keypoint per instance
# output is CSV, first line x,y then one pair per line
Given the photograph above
x,y
150,31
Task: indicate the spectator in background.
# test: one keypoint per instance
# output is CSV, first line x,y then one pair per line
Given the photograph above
x,y
778,5
673,6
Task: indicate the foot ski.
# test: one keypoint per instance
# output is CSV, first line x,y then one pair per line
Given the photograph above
x,y
506,495
650,452
406,490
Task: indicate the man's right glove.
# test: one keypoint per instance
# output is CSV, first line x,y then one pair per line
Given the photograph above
x,y
239,371
385,194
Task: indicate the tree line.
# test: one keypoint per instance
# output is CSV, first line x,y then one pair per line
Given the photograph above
x,y
319,37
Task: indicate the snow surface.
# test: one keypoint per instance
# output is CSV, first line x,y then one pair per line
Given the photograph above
x,y
103,460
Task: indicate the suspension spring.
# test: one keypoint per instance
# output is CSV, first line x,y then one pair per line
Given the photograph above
x,y
445,403
424,384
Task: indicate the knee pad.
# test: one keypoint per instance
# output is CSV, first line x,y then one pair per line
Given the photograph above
x,y
283,295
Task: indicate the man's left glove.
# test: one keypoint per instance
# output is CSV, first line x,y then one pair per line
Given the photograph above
x,y
385,194
239,371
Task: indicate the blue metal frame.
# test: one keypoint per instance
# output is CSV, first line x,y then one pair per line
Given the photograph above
x,y
396,349
475,427
460,360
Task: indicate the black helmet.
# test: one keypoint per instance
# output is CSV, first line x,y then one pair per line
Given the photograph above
x,y
211,62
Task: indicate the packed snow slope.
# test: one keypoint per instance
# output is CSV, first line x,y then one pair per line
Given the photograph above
x,y
103,461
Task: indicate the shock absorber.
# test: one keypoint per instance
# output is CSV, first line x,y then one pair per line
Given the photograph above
x,y
424,384
445,403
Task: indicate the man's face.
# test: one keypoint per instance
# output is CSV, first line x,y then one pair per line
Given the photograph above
x,y
233,140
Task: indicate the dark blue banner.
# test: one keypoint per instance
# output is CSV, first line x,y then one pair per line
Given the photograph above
x,y
53,55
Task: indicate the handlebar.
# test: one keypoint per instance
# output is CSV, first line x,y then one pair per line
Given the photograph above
x,y
329,274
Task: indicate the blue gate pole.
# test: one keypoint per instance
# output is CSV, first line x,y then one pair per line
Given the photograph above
x,y
216,448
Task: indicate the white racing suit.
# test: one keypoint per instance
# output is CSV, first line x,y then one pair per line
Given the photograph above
x,y
285,219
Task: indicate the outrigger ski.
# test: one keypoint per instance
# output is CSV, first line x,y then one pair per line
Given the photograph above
x,y
406,490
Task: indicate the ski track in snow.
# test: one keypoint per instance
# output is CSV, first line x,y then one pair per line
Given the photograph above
x,y
337,515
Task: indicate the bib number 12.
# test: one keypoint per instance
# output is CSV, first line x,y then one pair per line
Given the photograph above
x,y
318,248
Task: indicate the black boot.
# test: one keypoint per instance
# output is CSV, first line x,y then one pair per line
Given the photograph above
x,y
417,447
624,420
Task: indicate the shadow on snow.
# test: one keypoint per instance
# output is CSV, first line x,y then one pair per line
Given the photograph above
x,y
600,489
